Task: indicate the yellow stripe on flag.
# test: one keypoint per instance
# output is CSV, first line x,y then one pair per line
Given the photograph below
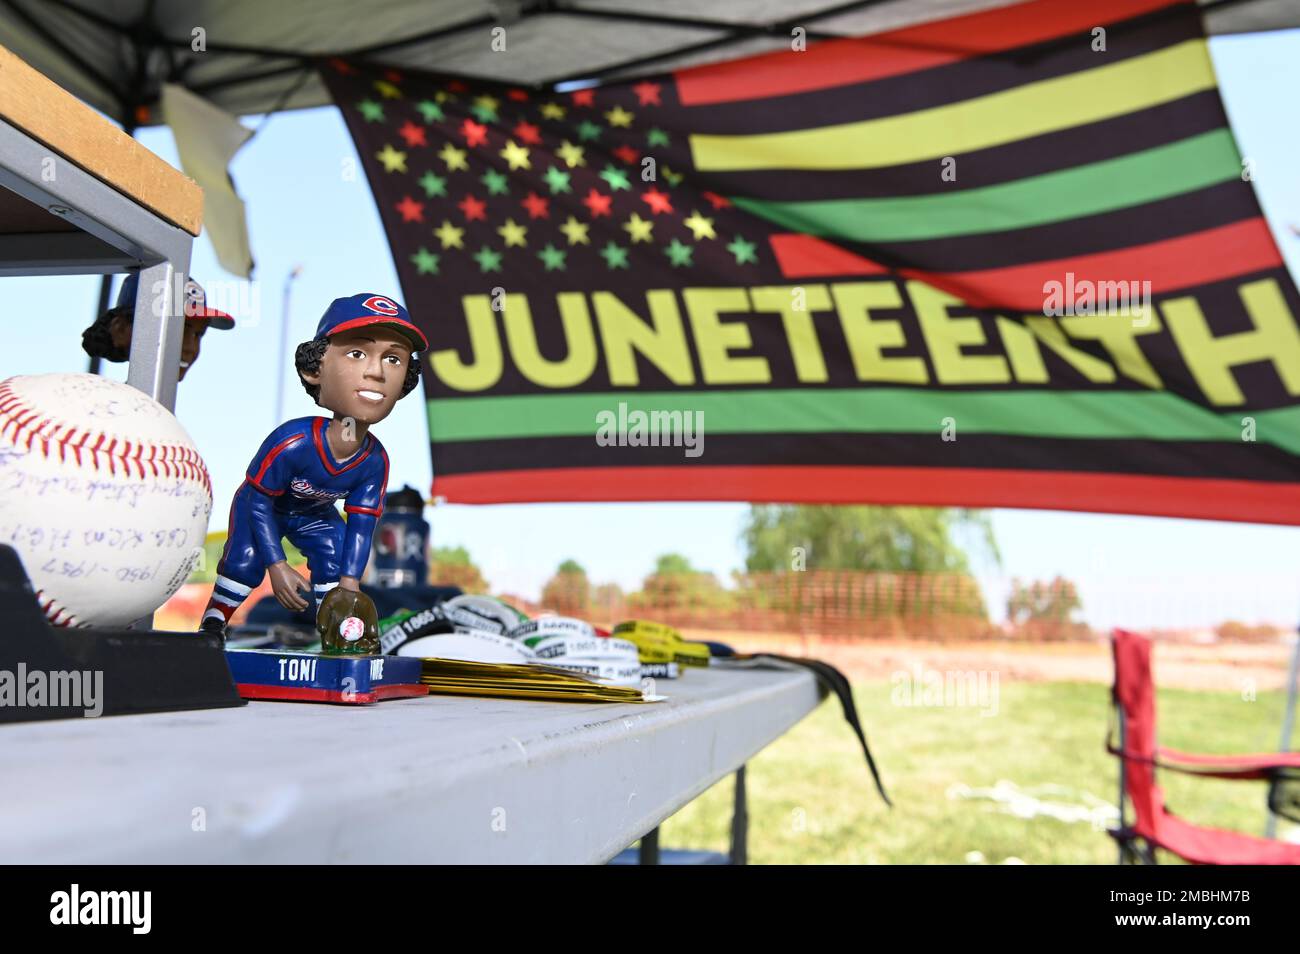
x,y
1030,110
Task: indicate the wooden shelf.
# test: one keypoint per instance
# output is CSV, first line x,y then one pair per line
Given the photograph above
x,y
48,113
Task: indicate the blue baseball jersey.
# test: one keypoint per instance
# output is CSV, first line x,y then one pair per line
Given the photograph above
x,y
295,480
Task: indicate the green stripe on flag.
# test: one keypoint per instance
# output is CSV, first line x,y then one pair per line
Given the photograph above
x,y
1169,170
1148,415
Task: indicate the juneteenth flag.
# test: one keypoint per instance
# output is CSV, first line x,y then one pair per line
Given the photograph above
x,y
1008,259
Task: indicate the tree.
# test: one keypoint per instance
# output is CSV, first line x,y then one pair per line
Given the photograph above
x,y
866,566
673,564
568,592
1044,609
802,537
607,599
452,556
675,584
452,566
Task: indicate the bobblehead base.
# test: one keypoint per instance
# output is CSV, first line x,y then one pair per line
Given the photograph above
x,y
55,672
314,677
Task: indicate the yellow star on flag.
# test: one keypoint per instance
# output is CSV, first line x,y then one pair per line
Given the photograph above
x,y
450,235
388,90
700,226
618,116
575,231
442,96
639,228
552,111
393,159
513,233
455,158
516,155
487,102
571,154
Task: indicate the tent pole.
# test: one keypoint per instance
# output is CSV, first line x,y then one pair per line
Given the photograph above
x,y
106,282
284,341
1123,767
1288,723
105,289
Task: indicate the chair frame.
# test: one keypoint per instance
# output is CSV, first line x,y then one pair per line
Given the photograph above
x,y
1168,832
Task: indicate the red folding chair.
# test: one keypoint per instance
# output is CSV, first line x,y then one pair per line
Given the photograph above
x,y
1153,825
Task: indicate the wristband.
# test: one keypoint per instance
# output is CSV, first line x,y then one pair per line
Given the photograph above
x,y
611,673
467,645
554,626
560,645
469,618
502,616
398,629
649,635
666,670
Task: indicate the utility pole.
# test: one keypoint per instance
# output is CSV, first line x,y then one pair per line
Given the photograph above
x,y
284,343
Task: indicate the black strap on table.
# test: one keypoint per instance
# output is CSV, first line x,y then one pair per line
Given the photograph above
x,y
836,682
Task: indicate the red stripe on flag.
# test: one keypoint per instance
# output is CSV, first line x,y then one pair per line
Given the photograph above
x,y
1189,260
806,256
1199,498
861,59
1184,262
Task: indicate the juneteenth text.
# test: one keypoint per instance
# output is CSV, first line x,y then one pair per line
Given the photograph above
x,y
877,331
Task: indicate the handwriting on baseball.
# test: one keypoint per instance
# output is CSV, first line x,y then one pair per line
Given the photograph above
x,y
75,569
35,537
129,493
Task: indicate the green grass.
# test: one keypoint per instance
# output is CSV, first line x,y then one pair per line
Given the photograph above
x,y
811,798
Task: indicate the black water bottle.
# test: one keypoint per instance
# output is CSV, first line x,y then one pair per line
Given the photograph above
x,y
401,549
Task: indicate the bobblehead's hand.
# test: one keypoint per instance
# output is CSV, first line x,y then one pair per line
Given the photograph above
x,y
350,583
288,585
348,624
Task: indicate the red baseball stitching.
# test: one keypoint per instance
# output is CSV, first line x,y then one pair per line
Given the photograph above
x,y
176,459
54,612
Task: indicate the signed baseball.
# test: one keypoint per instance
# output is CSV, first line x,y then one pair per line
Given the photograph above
x,y
102,494
352,629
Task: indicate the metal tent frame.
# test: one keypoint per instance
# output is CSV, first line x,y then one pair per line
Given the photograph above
x,y
88,227
115,54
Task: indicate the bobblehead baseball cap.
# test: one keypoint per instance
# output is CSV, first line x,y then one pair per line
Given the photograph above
x,y
196,302
365,309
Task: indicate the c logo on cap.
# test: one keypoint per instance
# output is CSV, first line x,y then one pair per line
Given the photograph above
x,y
195,300
382,305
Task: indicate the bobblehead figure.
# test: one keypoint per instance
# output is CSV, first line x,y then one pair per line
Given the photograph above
x,y
365,356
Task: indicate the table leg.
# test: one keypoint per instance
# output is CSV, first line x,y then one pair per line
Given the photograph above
x,y
649,848
740,822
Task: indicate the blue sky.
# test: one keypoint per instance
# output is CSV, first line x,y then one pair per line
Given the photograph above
x,y
305,209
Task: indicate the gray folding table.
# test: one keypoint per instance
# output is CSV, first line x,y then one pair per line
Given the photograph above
x,y
435,779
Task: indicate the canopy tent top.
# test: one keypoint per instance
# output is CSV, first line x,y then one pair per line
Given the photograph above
x,y
255,57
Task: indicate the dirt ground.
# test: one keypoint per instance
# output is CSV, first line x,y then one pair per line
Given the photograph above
x,y
1234,667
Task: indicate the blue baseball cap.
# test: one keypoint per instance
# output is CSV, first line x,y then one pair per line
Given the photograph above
x,y
196,302
359,311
